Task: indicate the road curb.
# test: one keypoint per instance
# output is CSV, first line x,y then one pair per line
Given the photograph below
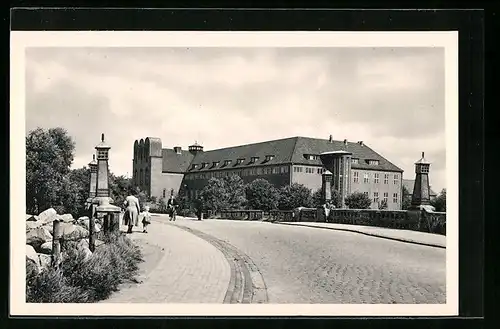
x,y
246,284
368,234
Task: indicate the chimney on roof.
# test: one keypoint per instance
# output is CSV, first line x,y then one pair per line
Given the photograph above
x,y
360,143
330,139
177,149
345,142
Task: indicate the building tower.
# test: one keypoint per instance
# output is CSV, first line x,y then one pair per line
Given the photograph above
x,y
195,148
339,163
421,189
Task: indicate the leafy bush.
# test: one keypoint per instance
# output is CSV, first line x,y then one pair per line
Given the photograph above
x,y
261,195
439,202
85,280
293,196
382,205
358,200
317,198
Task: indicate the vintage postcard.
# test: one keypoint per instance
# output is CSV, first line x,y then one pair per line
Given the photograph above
x,y
234,173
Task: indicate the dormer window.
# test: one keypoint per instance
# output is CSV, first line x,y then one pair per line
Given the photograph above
x,y
204,165
227,162
254,159
193,166
240,161
269,157
373,162
215,164
311,156
355,160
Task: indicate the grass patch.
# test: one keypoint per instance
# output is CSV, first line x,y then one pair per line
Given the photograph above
x,y
85,280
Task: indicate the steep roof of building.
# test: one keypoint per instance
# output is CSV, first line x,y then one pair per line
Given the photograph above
x,y
281,149
316,146
410,183
176,163
290,150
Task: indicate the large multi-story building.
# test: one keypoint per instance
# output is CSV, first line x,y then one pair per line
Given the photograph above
x,y
160,171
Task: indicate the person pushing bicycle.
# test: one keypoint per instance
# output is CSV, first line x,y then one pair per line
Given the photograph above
x,y
172,206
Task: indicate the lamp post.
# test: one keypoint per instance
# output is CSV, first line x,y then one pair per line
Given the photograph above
x,y
102,200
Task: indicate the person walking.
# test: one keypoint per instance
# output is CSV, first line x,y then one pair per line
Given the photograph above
x,y
199,208
146,219
132,210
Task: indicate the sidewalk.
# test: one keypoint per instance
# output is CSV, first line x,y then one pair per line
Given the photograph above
x,y
421,238
178,267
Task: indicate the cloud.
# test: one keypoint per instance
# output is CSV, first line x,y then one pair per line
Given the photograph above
x,y
392,98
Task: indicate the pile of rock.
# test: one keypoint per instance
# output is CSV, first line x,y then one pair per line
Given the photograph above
x,y
39,231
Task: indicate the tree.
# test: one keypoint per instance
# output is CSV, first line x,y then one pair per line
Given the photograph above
x,y
382,205
317,198
234,192
293,196
214,195
49,154
261,195
78,184
120,187
358,200
439,202
406,199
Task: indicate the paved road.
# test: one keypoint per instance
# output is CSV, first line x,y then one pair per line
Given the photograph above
x,y
310,265
179,267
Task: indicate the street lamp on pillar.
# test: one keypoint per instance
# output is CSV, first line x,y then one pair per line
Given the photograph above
x,y
93,184
102,199
421,189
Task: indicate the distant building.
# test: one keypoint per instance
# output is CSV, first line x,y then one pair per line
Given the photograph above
x,y
410,183
160,171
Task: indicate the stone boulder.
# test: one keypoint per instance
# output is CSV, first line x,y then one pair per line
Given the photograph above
x,y
66,218
47,216
32,255
37,237
85,243
46,248
87,253
31,218
85,222
45,261
30,225
73,232
49,227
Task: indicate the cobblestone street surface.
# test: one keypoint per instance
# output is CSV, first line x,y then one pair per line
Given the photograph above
x,y
433,240
179,267
310,265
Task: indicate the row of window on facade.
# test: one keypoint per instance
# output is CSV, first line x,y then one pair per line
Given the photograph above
x,y
369,161
376,178
240,161
241,172
309,170
376,198
353,160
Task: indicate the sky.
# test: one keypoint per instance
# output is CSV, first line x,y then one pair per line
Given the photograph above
x,y
391,98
